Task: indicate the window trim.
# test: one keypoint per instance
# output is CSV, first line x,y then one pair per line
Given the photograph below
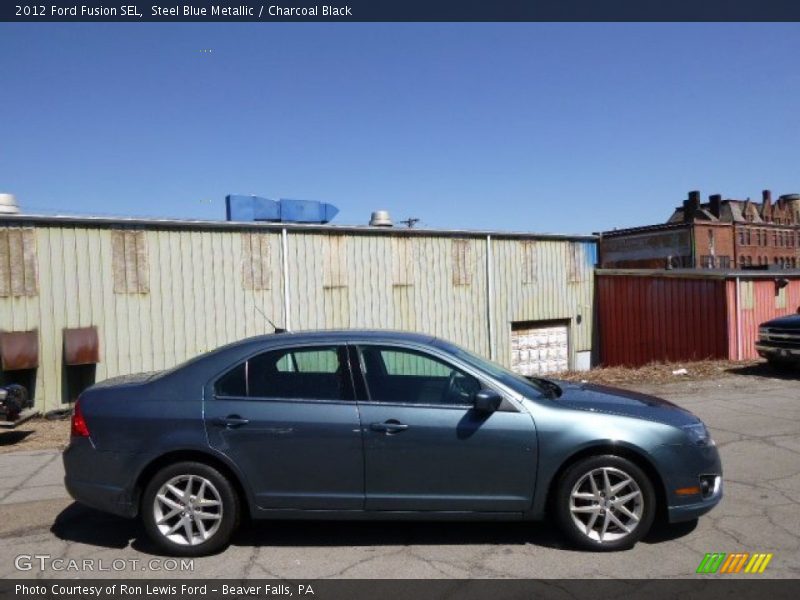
x,y
212,383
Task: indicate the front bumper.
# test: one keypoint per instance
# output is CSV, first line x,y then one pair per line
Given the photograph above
x,y
767,350
687,512
684,467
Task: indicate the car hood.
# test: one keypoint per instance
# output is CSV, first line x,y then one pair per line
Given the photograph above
x,y
615,401
787,322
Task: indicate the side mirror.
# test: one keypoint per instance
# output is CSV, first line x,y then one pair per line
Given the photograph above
x,y
487,401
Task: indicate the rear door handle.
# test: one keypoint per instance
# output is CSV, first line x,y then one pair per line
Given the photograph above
x,y
230,421
389,427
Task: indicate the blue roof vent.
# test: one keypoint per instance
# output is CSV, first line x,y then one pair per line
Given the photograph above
x,y
255,208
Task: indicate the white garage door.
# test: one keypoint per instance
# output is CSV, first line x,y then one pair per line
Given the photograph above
x,y
539,349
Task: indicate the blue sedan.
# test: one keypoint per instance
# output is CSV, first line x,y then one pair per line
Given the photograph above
x,y
381,425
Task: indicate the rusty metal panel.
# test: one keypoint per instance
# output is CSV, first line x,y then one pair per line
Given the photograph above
x,y
81,346
660,319
19,350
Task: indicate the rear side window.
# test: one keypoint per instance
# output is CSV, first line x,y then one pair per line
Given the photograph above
x,y
291,373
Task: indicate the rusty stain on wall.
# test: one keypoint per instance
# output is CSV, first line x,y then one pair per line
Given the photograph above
x,y
81,346
19,350
529,266
129,262
402,261
18,268
462,262
335,273
255,261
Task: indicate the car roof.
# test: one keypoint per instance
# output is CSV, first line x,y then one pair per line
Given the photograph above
x,y
337,336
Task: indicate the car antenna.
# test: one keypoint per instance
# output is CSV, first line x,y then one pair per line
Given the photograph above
x,y
275,327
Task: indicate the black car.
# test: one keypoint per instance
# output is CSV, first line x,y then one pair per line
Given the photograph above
x,y
779,341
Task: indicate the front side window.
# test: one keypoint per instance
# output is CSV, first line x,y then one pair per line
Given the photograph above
x,y
405,376
291,373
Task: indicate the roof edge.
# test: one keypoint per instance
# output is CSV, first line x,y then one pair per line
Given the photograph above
x,y
156,223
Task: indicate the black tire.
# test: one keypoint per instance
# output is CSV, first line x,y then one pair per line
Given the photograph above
x,y
591,535
219,522
781,365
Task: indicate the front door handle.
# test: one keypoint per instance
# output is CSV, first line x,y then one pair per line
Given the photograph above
x,y
389,427
230,422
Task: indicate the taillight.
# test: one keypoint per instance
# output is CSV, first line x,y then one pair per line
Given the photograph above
x,y
79,427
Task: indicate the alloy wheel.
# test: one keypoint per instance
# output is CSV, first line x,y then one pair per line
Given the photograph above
x,y
606,504
188,509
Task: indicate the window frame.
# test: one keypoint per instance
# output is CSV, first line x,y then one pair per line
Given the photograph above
x,y
342,353
363,395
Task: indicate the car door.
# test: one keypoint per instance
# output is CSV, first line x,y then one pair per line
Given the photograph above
x,y
288,419
426,448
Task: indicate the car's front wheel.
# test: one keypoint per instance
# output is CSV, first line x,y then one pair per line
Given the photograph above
x,y
190,509
605,503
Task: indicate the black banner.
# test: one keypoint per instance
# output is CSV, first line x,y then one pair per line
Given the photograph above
x,y
403,10
359,589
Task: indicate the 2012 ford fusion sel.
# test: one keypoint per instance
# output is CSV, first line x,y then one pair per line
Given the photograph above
x,y
381,425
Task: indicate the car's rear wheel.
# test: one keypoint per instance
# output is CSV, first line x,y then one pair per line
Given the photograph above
x,y
190,509
605,503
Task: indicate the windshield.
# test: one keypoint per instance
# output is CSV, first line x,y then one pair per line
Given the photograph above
x,y
515,381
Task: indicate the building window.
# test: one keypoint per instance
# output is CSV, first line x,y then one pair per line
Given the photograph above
x,y
18,272
462,262
707,262
741,237
747,238
724,262
255,261
129,262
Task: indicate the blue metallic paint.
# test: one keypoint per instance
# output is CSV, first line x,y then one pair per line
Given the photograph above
x,y
319,459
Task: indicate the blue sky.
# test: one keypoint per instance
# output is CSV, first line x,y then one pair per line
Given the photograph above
x,y
543,127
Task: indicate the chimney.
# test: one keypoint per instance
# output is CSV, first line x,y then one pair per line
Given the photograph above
x,y
715,204
691,206
766,203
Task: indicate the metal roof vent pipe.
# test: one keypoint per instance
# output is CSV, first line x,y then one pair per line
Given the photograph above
x,y
380,218
8,204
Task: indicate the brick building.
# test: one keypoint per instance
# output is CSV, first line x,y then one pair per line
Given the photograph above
x,y
718,234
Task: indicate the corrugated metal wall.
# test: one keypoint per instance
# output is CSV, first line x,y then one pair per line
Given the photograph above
x,y
660,319
204,289
760,300
559,288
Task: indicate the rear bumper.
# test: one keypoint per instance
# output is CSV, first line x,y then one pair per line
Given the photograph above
x,y
85,468
109,499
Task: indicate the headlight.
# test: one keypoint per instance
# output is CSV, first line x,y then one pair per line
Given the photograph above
x,y
698,434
